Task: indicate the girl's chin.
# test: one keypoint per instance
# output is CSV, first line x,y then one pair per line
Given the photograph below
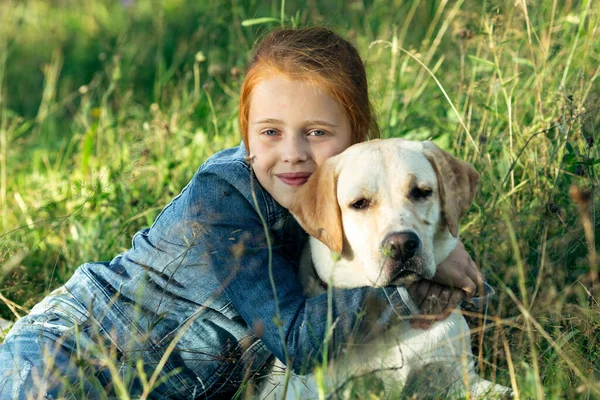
x,y
285,199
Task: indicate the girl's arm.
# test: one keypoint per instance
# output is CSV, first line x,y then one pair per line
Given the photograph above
x,y
222,233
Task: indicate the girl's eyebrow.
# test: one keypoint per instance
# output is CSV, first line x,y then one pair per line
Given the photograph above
x,y
267,121
308,122
320,122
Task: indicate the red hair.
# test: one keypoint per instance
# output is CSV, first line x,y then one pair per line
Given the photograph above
x,y
322,58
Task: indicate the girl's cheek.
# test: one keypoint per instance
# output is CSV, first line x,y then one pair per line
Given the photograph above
x,y
253,143
331,151
260,150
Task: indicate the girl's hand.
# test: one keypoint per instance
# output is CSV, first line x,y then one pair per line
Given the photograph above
x,y
435,302
457,278
459,271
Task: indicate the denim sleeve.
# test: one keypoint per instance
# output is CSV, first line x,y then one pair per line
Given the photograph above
x,y
225,234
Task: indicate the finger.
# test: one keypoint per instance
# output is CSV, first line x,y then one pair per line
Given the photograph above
x,y
412,293
421,292
453,301
434,298
479,281
431,299
473,273
444,298
421,323
472,279
412,290
416,323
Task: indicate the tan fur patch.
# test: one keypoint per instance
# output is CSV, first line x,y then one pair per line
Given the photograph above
x,y
457,184
316,207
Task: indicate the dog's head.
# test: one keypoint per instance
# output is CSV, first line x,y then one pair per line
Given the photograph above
x,y
390,208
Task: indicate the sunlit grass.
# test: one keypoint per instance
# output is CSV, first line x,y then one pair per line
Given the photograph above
x,y
106,111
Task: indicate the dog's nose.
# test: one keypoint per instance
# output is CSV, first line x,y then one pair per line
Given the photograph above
x,y
401,246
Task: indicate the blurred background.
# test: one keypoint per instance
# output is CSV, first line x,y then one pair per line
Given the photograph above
x,y
108,107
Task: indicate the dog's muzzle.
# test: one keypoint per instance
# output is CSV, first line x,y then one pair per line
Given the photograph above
x,y
401,251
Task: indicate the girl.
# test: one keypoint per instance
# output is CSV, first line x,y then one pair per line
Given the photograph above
x,y
208,294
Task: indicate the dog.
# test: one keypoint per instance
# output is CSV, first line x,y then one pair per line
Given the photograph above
x,y
390,211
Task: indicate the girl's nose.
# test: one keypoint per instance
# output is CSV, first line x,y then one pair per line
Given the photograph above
x,y
295,150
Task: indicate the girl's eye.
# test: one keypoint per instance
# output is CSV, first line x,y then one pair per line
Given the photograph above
x,y
270,132
317,133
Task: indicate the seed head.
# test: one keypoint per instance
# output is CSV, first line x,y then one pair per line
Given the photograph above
x,y
200,57
590,141
466,34
581,197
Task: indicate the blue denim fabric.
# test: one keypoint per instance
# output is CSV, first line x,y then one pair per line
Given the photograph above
x,y
206,285
51,344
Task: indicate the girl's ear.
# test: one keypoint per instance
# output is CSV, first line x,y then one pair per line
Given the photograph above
x,y
457,182
316,207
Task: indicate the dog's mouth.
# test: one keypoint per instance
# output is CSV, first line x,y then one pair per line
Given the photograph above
x,y
405,273
406,278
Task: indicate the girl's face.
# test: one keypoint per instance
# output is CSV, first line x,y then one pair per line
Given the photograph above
x,y
293,127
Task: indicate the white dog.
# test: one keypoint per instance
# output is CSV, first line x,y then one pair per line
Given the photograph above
x,y
390,209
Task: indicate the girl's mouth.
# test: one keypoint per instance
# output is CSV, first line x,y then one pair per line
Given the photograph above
x,y
294,178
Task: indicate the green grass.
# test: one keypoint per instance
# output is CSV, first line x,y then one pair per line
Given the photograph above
x,y
107,110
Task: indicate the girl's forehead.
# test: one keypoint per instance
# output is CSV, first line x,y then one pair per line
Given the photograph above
x,y
313,79
280,95
276,79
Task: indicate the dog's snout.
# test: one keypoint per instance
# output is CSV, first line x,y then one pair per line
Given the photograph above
x,y
401,246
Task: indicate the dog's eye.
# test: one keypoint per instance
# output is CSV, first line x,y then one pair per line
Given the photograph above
x,y
360,204
419,193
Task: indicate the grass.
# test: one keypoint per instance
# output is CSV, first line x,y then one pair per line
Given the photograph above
x,y
108,107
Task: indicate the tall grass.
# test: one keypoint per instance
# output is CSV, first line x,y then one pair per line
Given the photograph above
x,y
108,107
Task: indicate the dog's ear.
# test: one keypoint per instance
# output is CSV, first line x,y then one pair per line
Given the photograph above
x,y
457,181
316,207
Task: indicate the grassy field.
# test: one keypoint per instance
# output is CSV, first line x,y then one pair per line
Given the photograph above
x,y
108,107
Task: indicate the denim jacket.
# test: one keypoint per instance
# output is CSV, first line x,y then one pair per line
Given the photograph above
x,y
216,275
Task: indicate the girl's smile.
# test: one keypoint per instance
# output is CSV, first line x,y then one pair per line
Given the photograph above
x,y
293,127
294,178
